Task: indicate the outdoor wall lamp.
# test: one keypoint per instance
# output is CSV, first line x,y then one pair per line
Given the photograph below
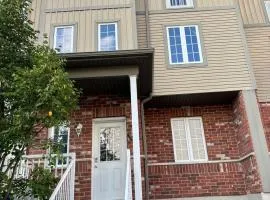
x,y
79,129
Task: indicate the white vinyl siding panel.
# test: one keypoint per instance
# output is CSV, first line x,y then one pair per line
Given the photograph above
x,y
258,41
188,139
226,65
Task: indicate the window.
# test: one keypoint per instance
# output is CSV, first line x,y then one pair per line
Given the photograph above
x,y
188,139
267,5
60,134
184,45
107,37
63,39
179,3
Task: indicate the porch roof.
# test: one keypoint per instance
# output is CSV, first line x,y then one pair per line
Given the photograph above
x,y
121,62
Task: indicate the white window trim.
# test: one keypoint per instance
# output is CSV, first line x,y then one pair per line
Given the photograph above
x,y
72,37
116,35
190,154
267,8
190,4
51,136
184,45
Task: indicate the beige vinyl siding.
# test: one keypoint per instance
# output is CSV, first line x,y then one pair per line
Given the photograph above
x,y
55,4
252,11
35,14
86,15
258,40
142,35
140,5
226,67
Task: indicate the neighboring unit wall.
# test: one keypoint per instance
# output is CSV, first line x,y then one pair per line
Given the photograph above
x,y
252,11
225,65
265,114
258,40
245,145
142,34
86,15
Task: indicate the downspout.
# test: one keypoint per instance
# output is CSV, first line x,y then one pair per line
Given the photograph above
x,y
146,174
146,7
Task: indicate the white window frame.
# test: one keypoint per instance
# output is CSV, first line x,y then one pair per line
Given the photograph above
x,y
72,38
189,145
267,8
116,35
190,4
184,44
51,136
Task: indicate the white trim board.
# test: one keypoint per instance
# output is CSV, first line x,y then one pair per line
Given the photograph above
x,y
243,197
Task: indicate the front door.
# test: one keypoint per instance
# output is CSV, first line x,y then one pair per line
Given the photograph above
x,y
109,159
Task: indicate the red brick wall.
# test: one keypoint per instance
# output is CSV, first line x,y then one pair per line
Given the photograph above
x,y
91,108
39,143
227,136
265,114
219,129
196,180
242,127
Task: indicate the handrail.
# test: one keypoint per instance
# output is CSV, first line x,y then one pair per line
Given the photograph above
x,y
128,187
65,185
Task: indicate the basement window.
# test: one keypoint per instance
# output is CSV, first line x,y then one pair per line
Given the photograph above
x,y
179,3
188,139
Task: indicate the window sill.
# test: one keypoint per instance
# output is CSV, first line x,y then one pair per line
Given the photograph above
x,y
180,7
187,65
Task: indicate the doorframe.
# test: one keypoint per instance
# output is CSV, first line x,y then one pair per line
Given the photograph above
x,y
95,122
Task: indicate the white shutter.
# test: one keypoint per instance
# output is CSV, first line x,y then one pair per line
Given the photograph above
x,y
267,5
197,139
188,139
180,140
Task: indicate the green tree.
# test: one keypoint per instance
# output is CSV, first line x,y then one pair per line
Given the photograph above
x,y
35,91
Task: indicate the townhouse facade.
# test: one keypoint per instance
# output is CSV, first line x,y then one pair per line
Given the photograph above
x,y
175,101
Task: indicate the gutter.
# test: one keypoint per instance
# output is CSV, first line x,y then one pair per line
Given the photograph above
x,y
146,173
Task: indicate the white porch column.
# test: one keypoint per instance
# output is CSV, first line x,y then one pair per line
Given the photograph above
x,y
136,139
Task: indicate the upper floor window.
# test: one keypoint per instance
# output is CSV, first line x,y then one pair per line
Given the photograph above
x,y
267,5
184,45
107,37
63,39
179,3
188,139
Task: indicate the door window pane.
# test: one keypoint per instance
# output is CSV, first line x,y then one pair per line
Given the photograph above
x,y
110,146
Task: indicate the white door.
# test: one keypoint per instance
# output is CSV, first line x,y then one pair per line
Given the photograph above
x,y
109,159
